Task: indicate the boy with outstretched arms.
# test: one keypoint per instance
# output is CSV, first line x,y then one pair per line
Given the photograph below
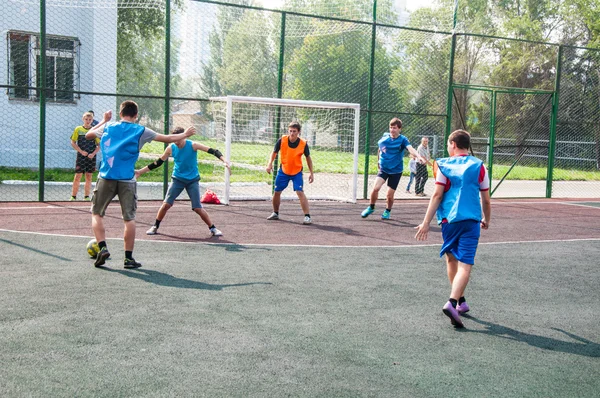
x,y
120,143
390,163
185,176
461,195
292,147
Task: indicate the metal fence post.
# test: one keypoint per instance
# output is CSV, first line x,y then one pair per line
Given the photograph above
x,y
369,122
449,95
553,123
277,129
492,135
42,91
167,88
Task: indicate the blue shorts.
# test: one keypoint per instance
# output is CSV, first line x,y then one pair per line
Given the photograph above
x,y
191,187
461,239
282,180
392,179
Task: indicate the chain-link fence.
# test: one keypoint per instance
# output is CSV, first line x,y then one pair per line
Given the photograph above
x,y
531,106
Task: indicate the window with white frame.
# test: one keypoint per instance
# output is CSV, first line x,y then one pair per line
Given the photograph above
x,y
62,66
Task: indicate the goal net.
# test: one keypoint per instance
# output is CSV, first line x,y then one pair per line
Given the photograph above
x,y
249,127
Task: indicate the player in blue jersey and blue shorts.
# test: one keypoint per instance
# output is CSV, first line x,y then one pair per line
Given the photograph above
x,y
120,143
461,196
185,176
391,165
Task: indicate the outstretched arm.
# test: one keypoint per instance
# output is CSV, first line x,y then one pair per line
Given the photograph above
x,y
157,163
201,147
414,152
169,139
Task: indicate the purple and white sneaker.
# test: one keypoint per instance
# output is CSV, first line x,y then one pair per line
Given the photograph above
x,y
452,313
463,308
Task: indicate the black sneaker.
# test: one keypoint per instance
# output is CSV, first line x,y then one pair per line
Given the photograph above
x,y
130,263
102,256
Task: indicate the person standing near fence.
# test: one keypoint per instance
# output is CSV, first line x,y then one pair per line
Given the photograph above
x,y
86,156
412,168
460,197
421,173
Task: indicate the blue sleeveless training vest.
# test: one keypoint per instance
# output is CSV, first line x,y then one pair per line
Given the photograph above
x,y
120,144
462,201
186,164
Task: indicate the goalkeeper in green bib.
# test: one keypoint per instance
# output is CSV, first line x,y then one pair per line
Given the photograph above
x,y
185,176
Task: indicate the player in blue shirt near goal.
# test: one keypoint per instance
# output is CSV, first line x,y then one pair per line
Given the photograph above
x,y
391,165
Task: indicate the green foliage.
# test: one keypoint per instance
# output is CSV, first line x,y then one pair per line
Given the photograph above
x,y
140,58
249,64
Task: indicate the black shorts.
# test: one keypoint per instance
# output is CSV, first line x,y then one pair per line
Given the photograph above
x,y
392,179
83,164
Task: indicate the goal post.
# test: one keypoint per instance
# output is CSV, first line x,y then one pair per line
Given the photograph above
x,y
249,127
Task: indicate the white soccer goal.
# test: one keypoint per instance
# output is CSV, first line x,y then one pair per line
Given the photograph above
x,y
249,127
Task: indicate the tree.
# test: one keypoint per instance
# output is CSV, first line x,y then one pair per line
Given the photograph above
x,y
141,57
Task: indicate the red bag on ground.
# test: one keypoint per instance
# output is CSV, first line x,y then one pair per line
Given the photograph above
x,y
210,197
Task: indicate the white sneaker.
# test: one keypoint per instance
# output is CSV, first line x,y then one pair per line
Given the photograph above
x,y
152,231
307,220
215,232
273,216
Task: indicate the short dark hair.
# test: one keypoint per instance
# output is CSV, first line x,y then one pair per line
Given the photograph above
x,y
396,122
128,108
178,130
295,125
91,111
461,138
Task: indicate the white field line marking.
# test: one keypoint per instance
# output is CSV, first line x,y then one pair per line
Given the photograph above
x,y
315,246
420,203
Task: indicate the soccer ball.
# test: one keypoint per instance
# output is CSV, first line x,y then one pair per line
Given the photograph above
x,y
92,248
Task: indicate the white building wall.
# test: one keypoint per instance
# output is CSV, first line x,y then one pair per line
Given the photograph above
x,y
19,119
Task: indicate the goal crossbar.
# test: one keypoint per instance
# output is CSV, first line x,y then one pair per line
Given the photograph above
x,y
287,102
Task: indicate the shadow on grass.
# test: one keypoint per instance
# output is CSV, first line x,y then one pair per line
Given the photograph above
x,y
34,250
163,279
581,346
234,247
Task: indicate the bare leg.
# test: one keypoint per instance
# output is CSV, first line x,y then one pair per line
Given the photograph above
x,y
375,192
303,202
162,212
88,184
204,216
451,267
276,201
76,182
98,227
129,235
389,200
460,280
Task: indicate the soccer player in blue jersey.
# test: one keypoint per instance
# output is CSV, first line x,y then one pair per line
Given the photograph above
x,y
185,176
390,165
120,143
461,196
